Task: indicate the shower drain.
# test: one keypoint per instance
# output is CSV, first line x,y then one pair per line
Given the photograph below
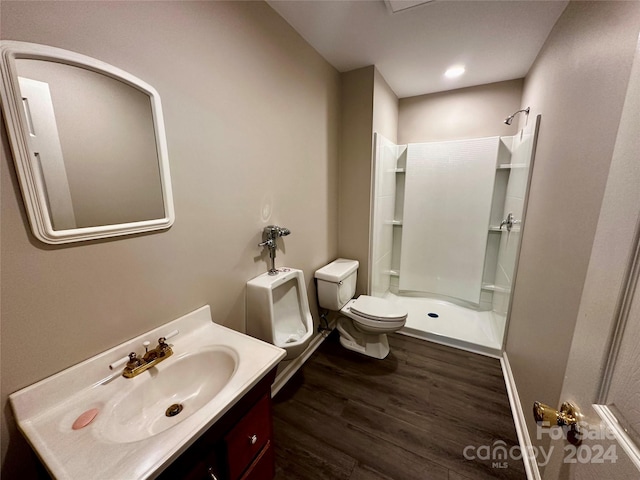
x,y
433,315
174,410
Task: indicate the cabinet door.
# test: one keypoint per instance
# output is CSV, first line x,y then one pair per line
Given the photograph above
x,y
248,437
195,465
263,467
203,471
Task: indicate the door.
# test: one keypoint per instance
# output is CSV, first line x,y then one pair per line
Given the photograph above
x,y
603,371
44,141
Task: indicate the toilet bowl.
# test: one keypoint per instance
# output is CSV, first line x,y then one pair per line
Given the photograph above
x,y
278,310
364,321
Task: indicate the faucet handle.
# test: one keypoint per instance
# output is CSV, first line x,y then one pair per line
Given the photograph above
x,y
162,347
510,221
134,361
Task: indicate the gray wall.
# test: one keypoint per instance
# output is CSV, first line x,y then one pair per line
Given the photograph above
x,y
252,119
578,84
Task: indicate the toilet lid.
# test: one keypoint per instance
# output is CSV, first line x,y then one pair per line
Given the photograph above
x,y
378,309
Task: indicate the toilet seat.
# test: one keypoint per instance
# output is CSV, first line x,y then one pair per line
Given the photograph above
x,y
378,309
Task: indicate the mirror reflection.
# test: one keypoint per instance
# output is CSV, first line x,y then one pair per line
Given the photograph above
x,y
88,143
93,139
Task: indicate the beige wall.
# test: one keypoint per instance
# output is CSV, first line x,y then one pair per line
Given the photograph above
x,y
368,105
577,83
385,108
355,169
251,113
472,112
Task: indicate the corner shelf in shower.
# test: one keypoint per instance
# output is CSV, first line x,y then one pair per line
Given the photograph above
x,y
495,288
495,229
399,170
508,166
392,273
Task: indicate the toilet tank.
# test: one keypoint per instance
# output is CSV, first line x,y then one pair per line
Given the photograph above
x,y
337,283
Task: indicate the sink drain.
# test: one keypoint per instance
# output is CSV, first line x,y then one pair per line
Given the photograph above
x,y
173,410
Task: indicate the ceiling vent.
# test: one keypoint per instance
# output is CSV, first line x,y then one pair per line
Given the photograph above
x,y
396,6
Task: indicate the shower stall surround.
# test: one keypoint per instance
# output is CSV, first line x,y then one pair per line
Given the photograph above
x,y
437,245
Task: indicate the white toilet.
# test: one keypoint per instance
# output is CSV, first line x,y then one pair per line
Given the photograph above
x,y
365,321
278,310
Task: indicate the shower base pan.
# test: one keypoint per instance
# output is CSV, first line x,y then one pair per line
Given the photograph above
x,y
449,324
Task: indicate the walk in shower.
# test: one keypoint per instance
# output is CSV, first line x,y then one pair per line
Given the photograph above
x,y
446,222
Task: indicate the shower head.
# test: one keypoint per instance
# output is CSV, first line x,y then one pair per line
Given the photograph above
x,y
510,118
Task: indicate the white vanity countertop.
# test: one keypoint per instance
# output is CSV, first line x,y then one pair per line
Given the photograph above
x,y
46,411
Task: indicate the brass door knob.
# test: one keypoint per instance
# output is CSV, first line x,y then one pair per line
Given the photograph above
x,y
568,416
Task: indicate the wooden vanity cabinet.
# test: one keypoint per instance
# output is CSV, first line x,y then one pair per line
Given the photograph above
x,y
239,446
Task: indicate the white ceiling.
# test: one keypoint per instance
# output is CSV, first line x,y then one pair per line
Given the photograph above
x,y
495,40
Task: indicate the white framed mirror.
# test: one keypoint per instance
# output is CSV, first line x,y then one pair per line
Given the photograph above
x,y
88,143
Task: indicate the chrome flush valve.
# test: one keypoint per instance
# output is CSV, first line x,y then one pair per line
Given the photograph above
x,y
269,236
273,231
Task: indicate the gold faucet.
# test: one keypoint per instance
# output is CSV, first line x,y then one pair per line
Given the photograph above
x,y
135,366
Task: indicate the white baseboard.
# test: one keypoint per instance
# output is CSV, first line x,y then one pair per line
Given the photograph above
x,y
530,463
294,365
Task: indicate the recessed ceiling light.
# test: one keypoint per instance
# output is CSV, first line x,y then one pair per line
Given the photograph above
x,y
454,71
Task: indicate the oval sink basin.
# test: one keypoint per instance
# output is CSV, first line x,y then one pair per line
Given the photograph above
x,y
168,393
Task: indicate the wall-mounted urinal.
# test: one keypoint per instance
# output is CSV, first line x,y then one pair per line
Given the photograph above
x,y
278,310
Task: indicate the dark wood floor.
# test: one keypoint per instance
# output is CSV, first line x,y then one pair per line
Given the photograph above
x,y
409,416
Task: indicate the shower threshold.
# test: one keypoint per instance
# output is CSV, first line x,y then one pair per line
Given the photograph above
x,y
448,324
